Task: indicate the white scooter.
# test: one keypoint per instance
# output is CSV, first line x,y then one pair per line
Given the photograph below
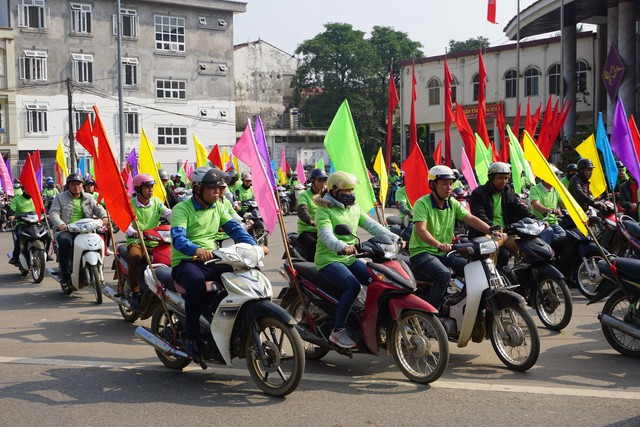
x,y
241,321
88,258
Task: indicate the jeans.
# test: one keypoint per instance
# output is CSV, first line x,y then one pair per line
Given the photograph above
x,y
16,241
350,277
307,242
435,269
553,234
192,276
135,261
65,240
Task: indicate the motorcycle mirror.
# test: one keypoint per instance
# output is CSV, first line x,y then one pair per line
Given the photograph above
x,y
342,230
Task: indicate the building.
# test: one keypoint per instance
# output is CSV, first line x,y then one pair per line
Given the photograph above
x,y
61,56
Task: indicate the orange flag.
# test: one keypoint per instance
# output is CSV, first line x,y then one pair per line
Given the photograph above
x,y
84,136
214,157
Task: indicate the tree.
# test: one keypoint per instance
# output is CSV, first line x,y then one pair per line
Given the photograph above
x,y
470,44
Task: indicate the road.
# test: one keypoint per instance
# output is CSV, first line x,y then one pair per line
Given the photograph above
x,y
65,361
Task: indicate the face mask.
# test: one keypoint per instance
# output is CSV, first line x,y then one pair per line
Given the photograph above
x,y
26,196
346,199
246,187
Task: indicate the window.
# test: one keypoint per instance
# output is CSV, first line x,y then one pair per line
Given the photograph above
x,y
82,67
172,135
128,23
476,86
581,76
32,14
434,92
130,71
33,65
531,82
169,33
554,79
36,118
80,18
454,90
510,84
80,116
171,89
131,121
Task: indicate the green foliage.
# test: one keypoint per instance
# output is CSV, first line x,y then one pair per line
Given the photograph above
x,y
469,44
570,155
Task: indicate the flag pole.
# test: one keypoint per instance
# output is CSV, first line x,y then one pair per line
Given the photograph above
x,y
113,242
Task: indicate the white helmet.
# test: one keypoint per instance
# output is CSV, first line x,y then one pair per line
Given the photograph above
x,y
441,172
499,167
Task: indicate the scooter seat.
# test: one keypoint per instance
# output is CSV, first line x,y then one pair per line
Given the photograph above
x,y
628,268
633,228
309,271
123,252
164,276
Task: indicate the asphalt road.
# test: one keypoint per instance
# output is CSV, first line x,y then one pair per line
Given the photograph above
x,y
65,361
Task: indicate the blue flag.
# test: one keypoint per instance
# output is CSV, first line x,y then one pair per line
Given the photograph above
x,y
81,166
602,142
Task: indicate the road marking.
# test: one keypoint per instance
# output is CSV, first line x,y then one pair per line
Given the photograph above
x,y
355,382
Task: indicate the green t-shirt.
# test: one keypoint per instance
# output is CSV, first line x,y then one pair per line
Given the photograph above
x,y
17,192
498,218
392,179
228,207
306,198
565,181
50,192
330,217
21,204
439,222
403,199
148,217
201,226
77,214
548,199
243,194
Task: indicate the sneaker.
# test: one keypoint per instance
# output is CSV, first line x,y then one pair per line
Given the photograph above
x,y
109,252
193,350
13,261
136,299
341,338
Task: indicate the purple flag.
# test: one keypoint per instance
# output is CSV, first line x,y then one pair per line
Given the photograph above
x,y
622,141
132,160
5,179
261,143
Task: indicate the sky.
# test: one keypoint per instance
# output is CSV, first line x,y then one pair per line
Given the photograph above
x,y
287,23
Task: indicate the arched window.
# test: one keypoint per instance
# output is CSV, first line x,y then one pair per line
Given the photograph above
x,y
476,86
554,79
581,76
531,76
454,89
434,91
510,84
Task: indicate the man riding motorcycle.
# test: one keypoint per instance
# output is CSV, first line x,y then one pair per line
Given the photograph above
x,y
19,205
572,169
49,192
244,191
307,231
579,186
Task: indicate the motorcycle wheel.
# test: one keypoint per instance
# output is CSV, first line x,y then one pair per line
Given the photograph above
x,y
619,306
281,371
419,345
311,351
553,303
519,347
128,315
37,269
286,209
94,282
587,283
160,326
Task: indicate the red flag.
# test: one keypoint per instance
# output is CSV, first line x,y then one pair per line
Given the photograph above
x,y
494,152
30,184
500,124
437,154
392,103
491,11
634,133
416,174
467,134
481,125
528,118
536,119
544,137
114,192
84,136
413,130
59,174
560,118
125,173
214,157
448,115
35,159
516,125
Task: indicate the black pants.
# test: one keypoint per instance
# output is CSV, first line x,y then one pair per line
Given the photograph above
x,y
307,242
65,252
16,241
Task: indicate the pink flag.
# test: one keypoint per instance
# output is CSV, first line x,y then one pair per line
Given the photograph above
x,y
5,179
246,150
302,177
188,169
283,162
467,171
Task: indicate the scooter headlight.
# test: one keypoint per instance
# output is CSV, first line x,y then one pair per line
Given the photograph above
x,y
251,256
166,235
488,247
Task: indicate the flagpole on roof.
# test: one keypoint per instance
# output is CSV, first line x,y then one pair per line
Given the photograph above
x,y
120,95
403,134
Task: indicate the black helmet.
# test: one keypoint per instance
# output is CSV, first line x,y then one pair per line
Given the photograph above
x,y
215,178
318,174
74,177
584,164
89,181
459,192
572,167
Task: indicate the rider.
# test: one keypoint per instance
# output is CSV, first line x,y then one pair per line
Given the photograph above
x,y
434,219
307,231
404,206
49,192
19,205
194,223
333,252
148,210
177,181
244,191
70,206
17,187
629,197
89,186
572,169
579,186
622,175
545,200
172,199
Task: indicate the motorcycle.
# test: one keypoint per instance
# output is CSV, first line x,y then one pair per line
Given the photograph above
x,y
285,201
620,318
296,250
482,305
242,322
257,230
540,283
390,316
33,241
88,257
294,196
160,254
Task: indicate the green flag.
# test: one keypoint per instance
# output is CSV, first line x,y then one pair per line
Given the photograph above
x,y
518,163
320,163
344,150
183,175
482,160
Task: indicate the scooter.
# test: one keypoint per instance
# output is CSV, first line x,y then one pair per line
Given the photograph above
x,y
160,254
540,283
285,200
241,322
33,241
620,318
88,257
389,316
257,230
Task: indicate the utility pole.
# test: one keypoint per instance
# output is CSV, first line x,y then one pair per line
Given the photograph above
x,y
72,139
120,95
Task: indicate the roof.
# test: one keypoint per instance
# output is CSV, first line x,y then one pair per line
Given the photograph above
x,y
259,41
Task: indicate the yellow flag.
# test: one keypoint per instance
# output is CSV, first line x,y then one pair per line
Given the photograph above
x,y
224,157
61,160
147,164
234,159
381,170
395,166
282,177
543,171
201,152
587,149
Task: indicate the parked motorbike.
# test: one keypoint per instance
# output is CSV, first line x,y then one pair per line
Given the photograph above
x,y
620,318
242,322
88,257
160,254
33,241
257,230
535,278
390,316
285,201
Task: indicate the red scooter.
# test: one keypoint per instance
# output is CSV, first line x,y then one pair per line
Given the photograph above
x,y
160,254
390,316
